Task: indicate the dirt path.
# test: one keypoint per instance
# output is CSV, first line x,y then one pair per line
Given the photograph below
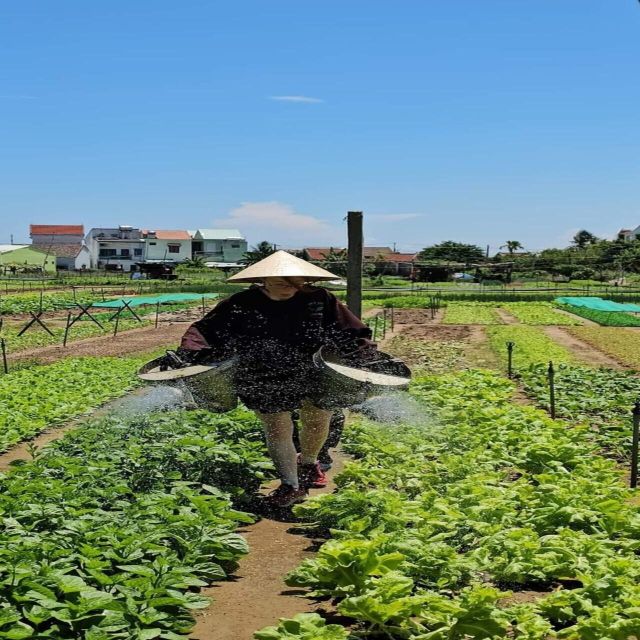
x,y
506,317
257,595
125,343
585,352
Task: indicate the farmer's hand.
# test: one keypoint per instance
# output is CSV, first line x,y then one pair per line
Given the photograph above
x,y
177,359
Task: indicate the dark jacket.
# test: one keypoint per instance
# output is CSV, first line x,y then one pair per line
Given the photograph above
x,y
277,338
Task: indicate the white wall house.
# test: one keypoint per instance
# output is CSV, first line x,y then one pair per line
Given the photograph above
x,y
166,245
117,248
219,245
629,234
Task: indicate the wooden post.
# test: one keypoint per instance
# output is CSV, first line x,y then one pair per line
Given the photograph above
x,y
384,323
203,309
375,327
66,329
392,317
3,346
157,312
115,329
354,262
510,346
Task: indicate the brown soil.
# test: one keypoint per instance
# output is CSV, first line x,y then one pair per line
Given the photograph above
x,y
416,316
125,343
440,333
479,353
506,317
585,352
257,595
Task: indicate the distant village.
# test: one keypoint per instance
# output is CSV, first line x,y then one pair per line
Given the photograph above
x,y
132,250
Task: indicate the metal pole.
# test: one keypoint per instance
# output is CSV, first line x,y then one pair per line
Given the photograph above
x,y
3,346
510,346
66,329
552,390
157,312
354,262
633,482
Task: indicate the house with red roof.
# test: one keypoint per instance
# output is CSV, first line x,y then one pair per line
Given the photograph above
x,y
64,241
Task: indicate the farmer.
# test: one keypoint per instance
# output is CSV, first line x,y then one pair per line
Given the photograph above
x,y
274,328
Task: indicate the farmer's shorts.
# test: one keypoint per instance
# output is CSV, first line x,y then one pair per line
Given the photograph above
x,y
285,394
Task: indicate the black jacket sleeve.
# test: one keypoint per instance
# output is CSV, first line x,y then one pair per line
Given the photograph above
x,y
212,334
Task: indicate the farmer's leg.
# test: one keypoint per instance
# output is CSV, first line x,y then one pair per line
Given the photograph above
x,y
314,432
278,428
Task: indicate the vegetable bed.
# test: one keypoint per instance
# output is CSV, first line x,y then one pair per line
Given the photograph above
x,y
35,398
470,313
604,318
437,526
620,343
110,531
541,313
532,346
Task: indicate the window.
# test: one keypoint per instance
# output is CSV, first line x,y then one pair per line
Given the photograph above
x,y
137,252
235,245
153,244
174,248
106,253
125,252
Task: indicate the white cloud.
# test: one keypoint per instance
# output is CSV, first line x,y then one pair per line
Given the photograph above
x,y
302,99
280,223
393,217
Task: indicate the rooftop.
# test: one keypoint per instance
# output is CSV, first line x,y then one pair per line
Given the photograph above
x,y
166,234
56,229
219,234
65,250
6,248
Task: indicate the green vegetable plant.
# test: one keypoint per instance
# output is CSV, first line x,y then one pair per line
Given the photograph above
x,y
539,313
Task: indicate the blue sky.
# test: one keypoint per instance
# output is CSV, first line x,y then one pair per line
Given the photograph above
x,y
440,119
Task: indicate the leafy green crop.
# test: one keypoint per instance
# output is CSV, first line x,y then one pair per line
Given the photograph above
x,y
429,357
604,318
470,313
532,346
433,520
540,313
25,302
110,531
35,398
602,398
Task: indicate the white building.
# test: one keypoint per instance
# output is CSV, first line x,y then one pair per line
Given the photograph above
x,y
629,235
164,245
117,248
219,245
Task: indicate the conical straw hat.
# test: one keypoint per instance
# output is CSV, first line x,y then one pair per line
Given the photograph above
x,y
281,265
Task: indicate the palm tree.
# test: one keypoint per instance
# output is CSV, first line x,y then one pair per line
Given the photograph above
x,y
583,238
511,246
261,251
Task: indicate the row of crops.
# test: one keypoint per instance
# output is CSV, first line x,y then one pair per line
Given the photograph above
x,y
438,528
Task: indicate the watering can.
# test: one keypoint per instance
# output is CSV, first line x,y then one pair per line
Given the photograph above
x,y
211,385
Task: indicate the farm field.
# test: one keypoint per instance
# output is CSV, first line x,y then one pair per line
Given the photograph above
x,y
620,343
471,514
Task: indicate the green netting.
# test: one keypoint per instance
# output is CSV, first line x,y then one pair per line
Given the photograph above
x,y
599,304
165,298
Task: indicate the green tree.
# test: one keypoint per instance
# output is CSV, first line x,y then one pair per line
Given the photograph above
x,y
512,246
261,251
452,252
335,261
584,238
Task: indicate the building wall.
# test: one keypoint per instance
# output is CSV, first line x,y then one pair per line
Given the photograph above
x,y
45,239
156,249
122,253
228,250
27,256
83,259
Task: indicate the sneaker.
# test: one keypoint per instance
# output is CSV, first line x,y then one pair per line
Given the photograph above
x,y
286,495
312,476
325,460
